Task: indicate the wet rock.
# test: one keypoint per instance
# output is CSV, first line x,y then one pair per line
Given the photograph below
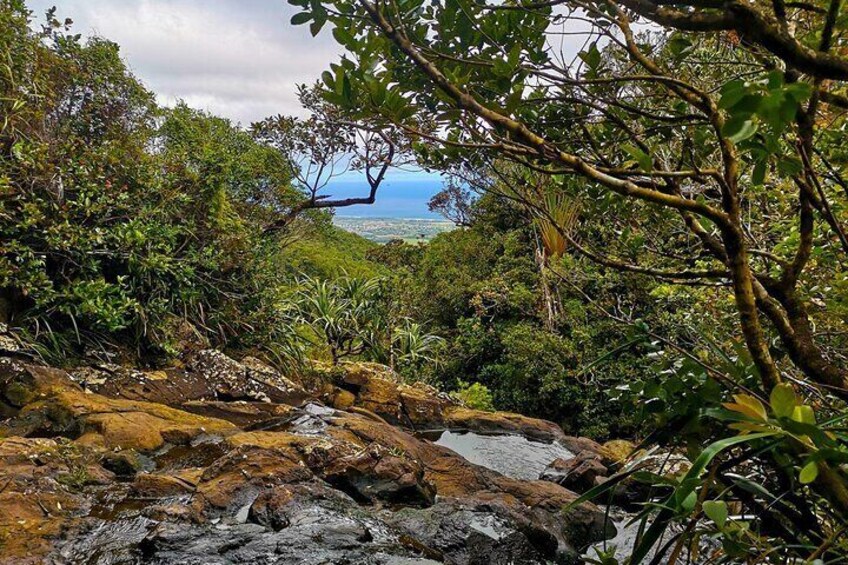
x,y
580,473
331,540
242,414
511,455
284,505
461,535
236,479
454,477
40,483
209,376
502,422
378,473
55,405
124,463
223,480
377,389
155,485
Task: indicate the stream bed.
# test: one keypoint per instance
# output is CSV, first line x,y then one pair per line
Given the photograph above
x,y
518,457
511,455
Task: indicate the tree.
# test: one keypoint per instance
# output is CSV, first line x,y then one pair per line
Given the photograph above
x,y
712,138
323,146
123,223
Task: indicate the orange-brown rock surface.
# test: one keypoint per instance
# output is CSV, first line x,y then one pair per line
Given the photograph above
x,y
230,480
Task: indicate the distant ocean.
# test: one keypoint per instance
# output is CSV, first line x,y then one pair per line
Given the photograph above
x,y
400,196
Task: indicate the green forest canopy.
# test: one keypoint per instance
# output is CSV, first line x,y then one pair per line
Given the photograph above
x,y
652,240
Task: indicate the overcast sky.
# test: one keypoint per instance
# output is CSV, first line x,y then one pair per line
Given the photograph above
x,y
239,59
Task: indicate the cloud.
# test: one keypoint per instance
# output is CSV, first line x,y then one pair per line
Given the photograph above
x,y
238,59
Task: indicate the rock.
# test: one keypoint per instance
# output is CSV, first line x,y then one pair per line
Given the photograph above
x,y
579,473
382,397
616,451
57,406
209,376
420,407
9,344
222,480
423,407
237,478
154,485
176,512
343,399
285,505
358,374
40,496
232,380
242,414
378,473
463,535
124,463
454,477
461,418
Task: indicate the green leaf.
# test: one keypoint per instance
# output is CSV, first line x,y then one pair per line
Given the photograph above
x,y
301,18
643,159
799,91
316,25
808,473
758,176
716,510
679,44
343,36
783,400
804,414
592,57
689,502
789,166
731,93
739,128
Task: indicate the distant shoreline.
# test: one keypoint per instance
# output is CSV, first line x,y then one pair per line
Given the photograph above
x,y
393,218
385,229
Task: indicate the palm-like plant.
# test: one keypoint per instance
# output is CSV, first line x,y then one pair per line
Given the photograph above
x,y
412,345
556,221
340,312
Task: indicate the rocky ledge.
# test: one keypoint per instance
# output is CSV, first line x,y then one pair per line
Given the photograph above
x,y
221,461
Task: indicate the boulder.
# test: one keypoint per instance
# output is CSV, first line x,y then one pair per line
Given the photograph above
x,y
380,474
617,451
209,375
41,494
237,478
156,485
52,404
455,533
241,413
580,473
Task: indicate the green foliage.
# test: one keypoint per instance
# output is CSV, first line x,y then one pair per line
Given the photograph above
x,y
341,312
474,395
481,289
128,226
351,317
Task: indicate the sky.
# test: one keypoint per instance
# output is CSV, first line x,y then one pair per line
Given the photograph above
x,y
240,59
